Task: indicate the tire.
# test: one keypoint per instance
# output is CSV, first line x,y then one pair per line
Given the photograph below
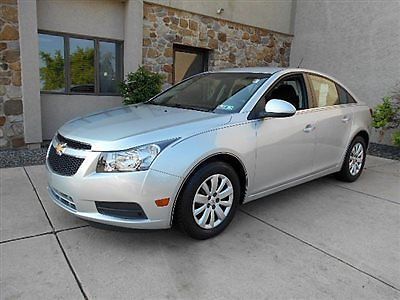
x,y
355,158
203,214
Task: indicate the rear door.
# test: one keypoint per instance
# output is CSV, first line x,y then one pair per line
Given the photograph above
x,y
333,120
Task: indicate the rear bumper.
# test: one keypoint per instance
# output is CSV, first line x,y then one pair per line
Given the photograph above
x,y
79,193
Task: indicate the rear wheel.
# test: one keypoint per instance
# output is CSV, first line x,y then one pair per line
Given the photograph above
x,y
208,200
354,161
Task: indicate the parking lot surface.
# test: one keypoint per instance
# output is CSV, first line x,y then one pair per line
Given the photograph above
x,y
321,240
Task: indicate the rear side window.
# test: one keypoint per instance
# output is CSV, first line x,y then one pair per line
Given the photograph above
x,y
325,92
344,96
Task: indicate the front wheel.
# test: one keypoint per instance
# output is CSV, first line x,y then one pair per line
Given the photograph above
x,y
208,200
354,161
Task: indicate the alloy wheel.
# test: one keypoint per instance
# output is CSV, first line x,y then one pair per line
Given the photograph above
x,y
356,159
213,201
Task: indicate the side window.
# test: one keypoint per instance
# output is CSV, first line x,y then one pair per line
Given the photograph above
x,y
291,89
325,92
344,96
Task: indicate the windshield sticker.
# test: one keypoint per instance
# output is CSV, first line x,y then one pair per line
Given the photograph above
x,y
226,107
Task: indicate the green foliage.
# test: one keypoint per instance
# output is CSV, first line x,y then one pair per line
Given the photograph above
x,y
52,75
383,113
140,86
387,116
82,68
396,138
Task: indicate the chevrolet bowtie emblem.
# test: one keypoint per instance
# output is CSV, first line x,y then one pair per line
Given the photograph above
x,y
60,148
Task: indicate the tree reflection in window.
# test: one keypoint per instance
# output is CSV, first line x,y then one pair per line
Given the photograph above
x,y
82,65
51,55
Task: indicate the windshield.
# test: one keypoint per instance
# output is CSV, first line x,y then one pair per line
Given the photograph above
x,y
214,92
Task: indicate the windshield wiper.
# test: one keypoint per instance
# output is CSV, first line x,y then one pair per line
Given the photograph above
x,y
187,107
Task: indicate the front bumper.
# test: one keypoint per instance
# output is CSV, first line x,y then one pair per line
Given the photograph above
x,y
79,193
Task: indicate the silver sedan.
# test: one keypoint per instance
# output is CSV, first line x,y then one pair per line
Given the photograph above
x,y
192,154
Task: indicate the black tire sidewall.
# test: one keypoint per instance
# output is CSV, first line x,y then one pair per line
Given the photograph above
x,y
184,212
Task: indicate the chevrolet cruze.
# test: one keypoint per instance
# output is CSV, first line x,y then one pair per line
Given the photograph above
x,y
192,154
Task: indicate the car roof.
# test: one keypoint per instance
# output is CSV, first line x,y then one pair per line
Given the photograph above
x,y
271,70
266,70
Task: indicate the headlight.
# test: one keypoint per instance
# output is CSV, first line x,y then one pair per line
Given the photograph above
x,y
135,159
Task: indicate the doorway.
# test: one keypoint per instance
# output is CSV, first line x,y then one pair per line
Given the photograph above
x,y
189,61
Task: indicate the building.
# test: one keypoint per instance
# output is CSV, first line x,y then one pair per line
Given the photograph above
x,y
358,42
61,59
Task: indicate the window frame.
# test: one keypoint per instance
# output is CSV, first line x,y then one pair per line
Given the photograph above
x,y
190,49
253,115
67,68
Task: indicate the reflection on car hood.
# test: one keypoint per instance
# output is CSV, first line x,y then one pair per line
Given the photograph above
x,y
128,126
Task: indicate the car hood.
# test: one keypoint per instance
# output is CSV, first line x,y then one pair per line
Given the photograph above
x,y
125,127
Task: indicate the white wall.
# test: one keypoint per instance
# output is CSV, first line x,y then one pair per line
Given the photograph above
x,y
29,70
133,34
358,42
103,18
271,14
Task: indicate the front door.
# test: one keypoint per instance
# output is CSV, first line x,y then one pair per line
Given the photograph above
x,y
285,146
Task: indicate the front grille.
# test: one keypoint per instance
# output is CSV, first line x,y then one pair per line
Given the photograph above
x,y
65,165
73,144
124,210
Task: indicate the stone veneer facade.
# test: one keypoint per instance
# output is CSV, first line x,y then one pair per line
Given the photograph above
x,y
230,44
11,118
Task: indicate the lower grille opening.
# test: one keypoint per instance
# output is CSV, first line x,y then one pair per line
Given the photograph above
x,y
63,198
124,210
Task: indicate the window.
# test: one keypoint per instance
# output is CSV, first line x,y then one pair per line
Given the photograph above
x,y
344,96
52,62
79,65
291,89
189,61
325,93
110,70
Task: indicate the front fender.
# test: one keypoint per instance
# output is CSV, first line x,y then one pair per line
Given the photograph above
x,y
183,157
237,140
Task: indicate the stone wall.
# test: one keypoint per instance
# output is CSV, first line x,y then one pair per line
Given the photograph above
x,y
230,44
11,118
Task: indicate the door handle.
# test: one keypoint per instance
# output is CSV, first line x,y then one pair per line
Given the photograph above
x,y
345,119
309,128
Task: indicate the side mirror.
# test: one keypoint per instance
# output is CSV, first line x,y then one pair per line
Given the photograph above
x,y
277,108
